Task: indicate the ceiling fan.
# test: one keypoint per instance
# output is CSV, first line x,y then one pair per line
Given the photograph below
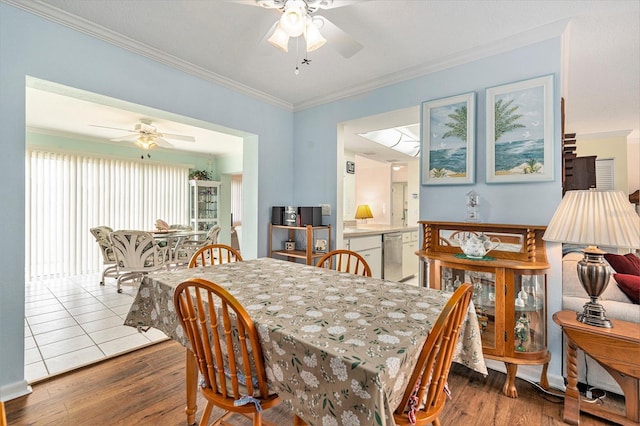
x,y
298,19
146,136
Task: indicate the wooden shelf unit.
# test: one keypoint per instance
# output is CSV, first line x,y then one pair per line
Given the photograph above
x,y
308,254
499,279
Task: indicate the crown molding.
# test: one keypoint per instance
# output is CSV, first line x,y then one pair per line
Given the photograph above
x,y
539,34
82,25
525,38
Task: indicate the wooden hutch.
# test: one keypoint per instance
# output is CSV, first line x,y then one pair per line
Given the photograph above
x,y
510,288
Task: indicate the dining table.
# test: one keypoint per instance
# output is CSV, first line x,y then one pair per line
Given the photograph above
x,y
176,240
338,348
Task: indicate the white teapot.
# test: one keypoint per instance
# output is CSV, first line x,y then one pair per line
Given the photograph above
x,y
478,246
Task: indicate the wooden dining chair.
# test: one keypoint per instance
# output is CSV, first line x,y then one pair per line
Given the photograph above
x,y
345,261
214,254
425,394
3,415
227,348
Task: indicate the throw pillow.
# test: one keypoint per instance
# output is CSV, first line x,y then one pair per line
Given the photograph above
x,y
630,285
624,264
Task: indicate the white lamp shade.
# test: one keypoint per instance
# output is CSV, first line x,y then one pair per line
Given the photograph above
x,y
313,37
293,19
595,218
279,39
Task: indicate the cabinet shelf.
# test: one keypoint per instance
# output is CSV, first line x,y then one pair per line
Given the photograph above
x,y
510,290
203,204
309,233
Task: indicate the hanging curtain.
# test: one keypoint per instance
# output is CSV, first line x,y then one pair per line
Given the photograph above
x,y
67,194
236,199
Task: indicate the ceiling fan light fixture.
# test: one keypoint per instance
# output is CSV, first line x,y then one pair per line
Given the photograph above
x,y
280,39
294,18
312,36
146,142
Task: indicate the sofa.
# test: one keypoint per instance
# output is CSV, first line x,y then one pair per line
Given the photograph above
x,y
617,305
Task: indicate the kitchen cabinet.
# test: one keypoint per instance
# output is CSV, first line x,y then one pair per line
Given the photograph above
x,y
409,258
369,247
510,289
203,204
302,239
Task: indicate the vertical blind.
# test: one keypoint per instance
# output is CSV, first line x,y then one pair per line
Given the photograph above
x,y
236,199
67,194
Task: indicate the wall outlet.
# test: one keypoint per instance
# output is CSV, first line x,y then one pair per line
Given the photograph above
x,y
326,209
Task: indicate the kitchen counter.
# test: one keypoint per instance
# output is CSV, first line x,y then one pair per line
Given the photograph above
x,y
372,229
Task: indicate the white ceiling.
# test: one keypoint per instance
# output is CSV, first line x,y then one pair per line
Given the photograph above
x,y
223,40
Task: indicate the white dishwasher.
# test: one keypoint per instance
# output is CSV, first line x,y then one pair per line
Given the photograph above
x,y
370,247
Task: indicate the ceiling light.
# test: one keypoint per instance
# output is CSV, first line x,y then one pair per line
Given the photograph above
x,y
313,37
280,38
403,139
294,22
294,18
146,142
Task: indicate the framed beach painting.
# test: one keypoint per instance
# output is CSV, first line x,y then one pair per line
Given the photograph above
x,y
448,140
520,131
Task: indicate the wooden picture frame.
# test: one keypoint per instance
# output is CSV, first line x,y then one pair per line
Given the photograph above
x,y
449,140
520,129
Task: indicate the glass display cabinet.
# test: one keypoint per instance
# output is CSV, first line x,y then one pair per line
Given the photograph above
x,y
203,204
510,287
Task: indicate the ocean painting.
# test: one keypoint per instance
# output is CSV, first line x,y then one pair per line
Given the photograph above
x,y
448,133
520,131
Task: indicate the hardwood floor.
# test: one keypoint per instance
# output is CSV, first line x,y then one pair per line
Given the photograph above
x,y
146,387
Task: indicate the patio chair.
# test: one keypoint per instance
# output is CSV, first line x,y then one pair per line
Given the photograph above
x,y
426,392
101,234
137,254
214,254
345,261
185,250
227,349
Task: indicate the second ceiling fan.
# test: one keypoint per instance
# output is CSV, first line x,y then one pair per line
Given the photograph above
x,y
146,136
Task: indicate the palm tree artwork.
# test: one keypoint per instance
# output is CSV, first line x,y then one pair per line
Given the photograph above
x,y
506,118
455,124
458,127
448,130
518,137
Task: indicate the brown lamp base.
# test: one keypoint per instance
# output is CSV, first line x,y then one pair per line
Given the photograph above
x,y
593,314
593,273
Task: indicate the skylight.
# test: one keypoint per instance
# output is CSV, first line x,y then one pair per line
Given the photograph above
x,y
404,139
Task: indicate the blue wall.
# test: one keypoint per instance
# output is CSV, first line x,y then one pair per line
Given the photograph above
x,y
295,161
31,46
533,203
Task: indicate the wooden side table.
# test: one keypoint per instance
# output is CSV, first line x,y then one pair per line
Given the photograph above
x,y
617,349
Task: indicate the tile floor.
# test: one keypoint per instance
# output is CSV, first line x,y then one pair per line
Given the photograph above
x,y
73,321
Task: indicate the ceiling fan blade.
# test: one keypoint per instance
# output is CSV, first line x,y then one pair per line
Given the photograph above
x,y
130,137
342,42
331,4
112,128
184,138
163,143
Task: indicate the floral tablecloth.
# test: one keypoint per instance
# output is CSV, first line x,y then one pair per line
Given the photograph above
x,y
338,348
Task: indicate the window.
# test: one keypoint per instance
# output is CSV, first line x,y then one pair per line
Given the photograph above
x,y
605,173
67,194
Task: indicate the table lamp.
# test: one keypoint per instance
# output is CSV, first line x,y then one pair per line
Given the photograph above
x,y
364,212
594,218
